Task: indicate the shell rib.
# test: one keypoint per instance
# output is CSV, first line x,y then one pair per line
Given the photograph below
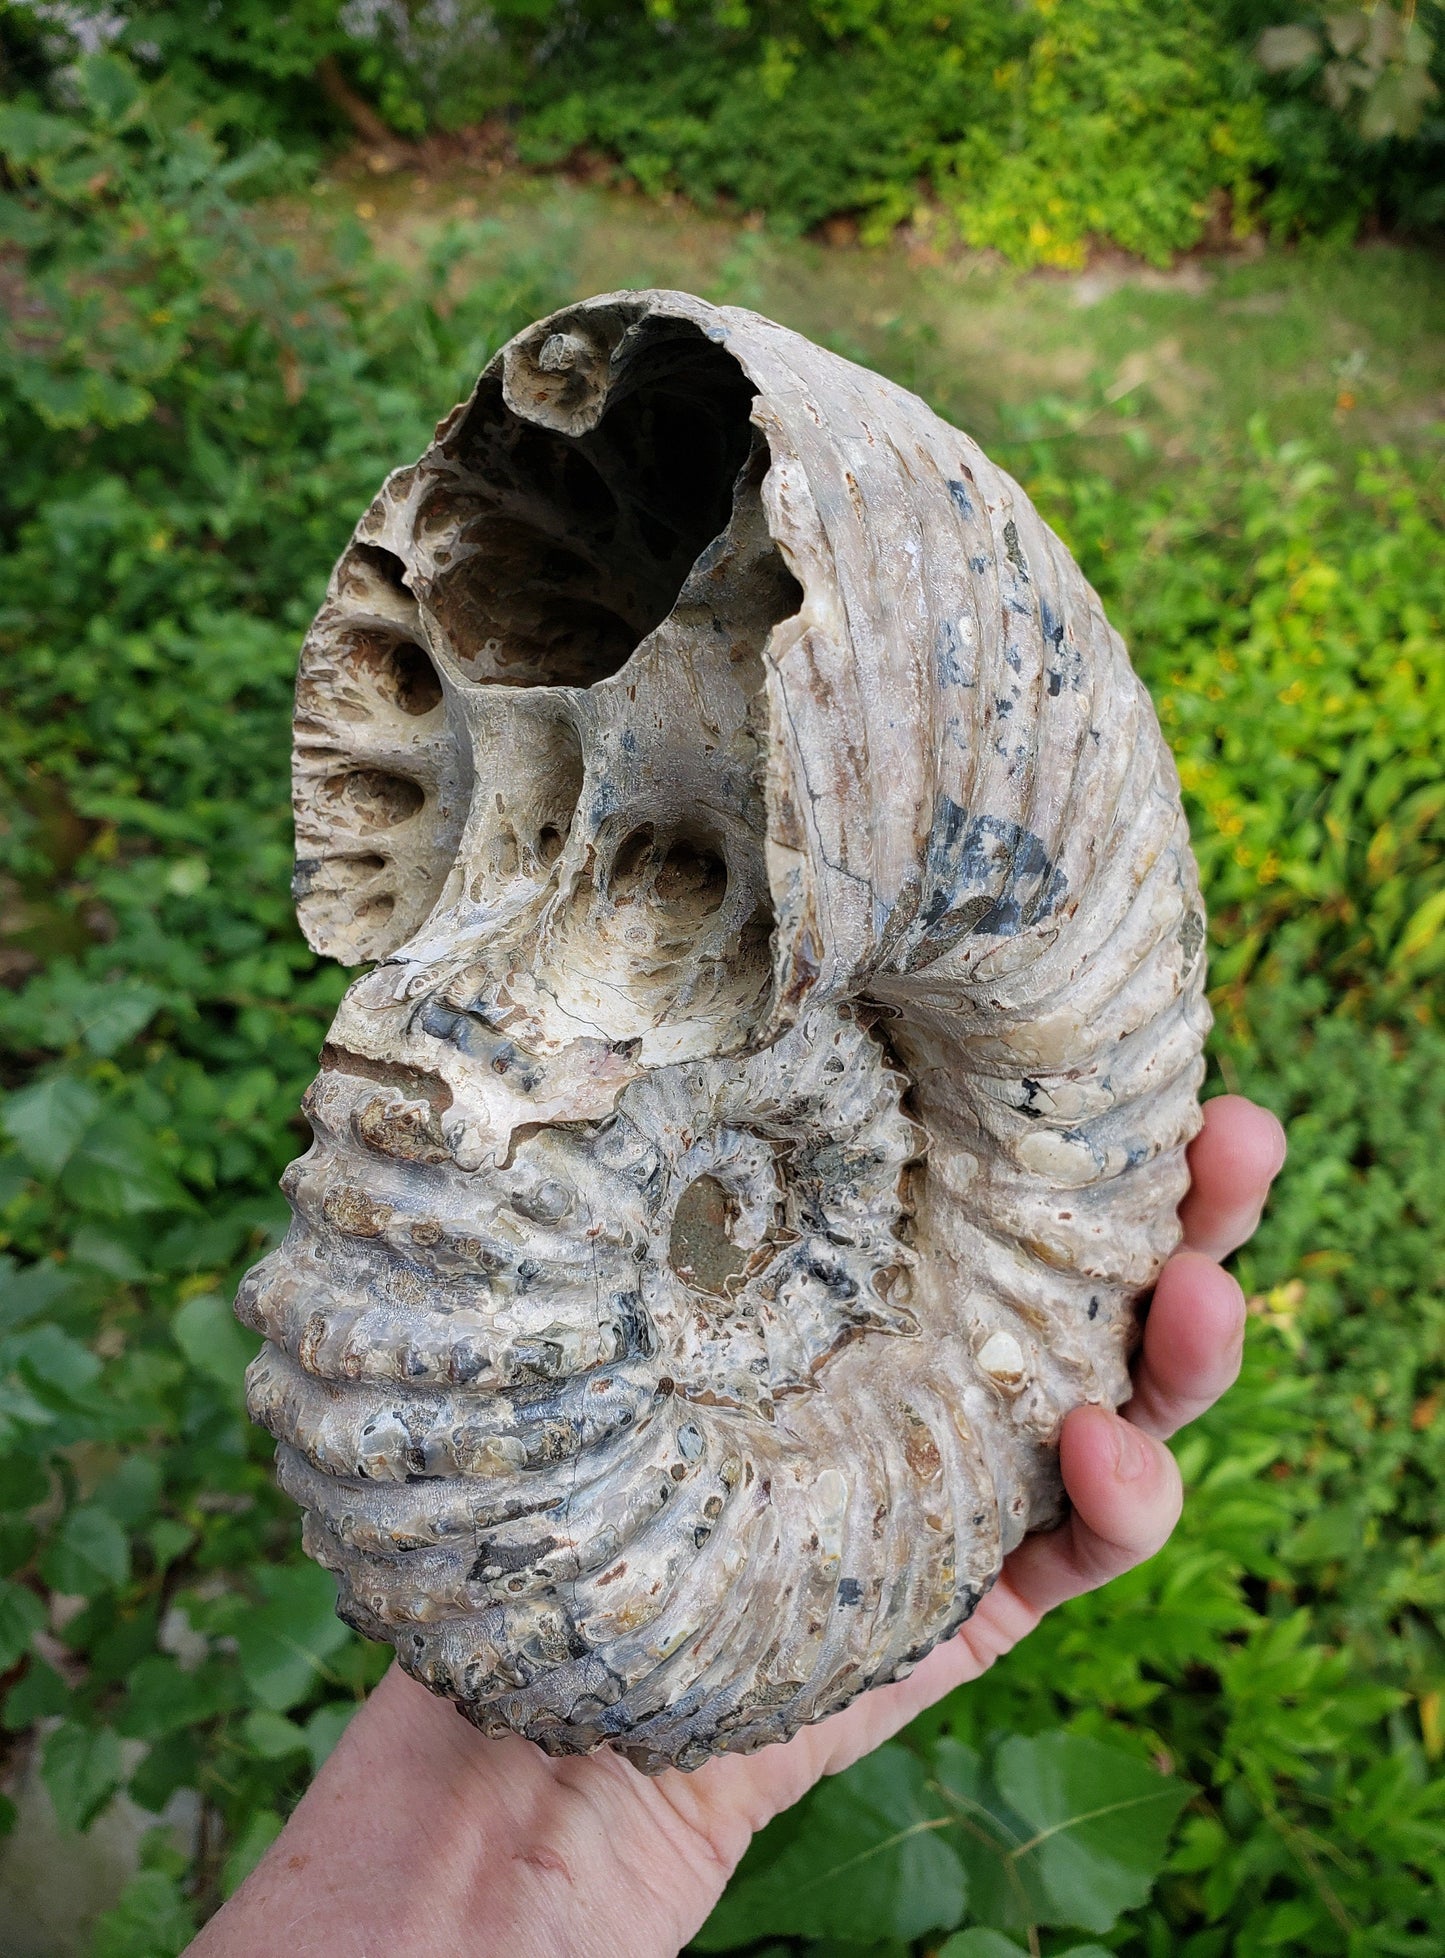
x,y
768,1107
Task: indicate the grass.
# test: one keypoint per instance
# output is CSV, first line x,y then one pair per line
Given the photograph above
x,y
1342,348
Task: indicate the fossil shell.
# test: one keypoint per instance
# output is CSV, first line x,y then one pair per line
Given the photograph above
x,y
768,1104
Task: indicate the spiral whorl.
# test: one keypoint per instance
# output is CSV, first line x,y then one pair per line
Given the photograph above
x,y
770,1106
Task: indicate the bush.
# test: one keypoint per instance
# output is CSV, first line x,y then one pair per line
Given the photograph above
x,y
1038,129
1112,119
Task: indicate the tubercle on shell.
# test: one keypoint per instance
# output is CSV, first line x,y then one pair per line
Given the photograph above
x,y
769,1105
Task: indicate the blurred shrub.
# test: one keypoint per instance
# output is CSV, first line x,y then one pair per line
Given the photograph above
x,y
1353,109
1034,127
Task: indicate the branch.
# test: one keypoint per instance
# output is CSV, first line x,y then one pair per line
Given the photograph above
x,y
356,109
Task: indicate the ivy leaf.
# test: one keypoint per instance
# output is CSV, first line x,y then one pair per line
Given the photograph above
x,y
89,1554
21,1616
285,1644
46,1122
81,1767
862,1858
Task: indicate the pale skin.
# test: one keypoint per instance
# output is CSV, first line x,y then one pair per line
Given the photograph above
x,y
421,1839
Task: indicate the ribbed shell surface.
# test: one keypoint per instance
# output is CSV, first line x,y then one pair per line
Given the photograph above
x,y
767,1107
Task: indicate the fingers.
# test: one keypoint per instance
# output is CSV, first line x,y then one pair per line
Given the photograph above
x,y
1193,1345
1233,1160
1126,1497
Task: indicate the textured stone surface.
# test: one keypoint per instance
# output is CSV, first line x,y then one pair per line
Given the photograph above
x,y
768,1104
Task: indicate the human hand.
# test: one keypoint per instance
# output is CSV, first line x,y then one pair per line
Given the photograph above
x,y
420,1837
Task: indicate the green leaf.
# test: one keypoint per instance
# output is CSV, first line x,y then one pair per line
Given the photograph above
x,y
1101,1824
168,1537
26,135
21,1616
38,1694
171,1763
284,1645
326,1726
28,1290
1057,1829
162,1698
92,1244
108,85
214,1341
46,1122
979,1943
131,1492
117,1171
89,1554
117,1014
49,1357
862,1858
260,1831
151,1919
81,1767
272,1735
1422,929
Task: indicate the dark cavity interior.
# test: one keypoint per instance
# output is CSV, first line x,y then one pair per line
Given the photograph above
x,y
557,555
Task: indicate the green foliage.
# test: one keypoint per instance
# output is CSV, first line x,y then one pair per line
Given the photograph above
x,y
1034,127
191,416
1052,1830
1373,65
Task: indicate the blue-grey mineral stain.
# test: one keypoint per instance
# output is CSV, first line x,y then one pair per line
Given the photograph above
x,y
984,874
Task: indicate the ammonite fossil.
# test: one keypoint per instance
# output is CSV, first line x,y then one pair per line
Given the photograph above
x,y
765,1106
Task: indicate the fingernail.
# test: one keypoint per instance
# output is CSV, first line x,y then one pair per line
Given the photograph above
x,y
1131,1452
1283,1150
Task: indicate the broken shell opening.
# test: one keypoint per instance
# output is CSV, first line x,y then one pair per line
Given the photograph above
x,y
384,670
552,556
686,876
374,565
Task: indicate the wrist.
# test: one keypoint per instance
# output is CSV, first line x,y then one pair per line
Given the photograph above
x,y
420,1836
